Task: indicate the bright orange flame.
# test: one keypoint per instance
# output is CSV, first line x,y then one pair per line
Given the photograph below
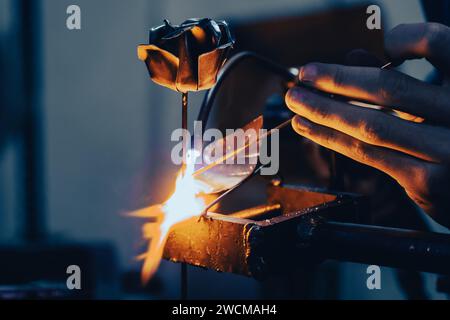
x,y
183,204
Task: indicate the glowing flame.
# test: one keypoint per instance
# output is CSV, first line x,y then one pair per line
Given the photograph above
x,y
183,204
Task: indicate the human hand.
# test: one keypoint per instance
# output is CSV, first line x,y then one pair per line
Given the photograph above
x,y
416,155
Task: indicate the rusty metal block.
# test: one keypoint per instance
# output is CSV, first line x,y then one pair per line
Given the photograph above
x,y
258,241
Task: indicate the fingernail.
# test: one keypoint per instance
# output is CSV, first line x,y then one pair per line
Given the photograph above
x,y
293,97
297,94
308,73
301,123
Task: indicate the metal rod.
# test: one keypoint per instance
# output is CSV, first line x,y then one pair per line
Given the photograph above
x,y
336,179
232,154
184,126
406,249
387,65
184,123
280,126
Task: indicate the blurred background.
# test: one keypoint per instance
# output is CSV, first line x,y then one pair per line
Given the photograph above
x,y
85,137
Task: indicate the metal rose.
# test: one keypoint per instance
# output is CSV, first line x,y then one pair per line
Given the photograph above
x,y
189,56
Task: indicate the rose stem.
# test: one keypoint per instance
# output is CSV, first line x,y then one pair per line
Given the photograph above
x,y
184,125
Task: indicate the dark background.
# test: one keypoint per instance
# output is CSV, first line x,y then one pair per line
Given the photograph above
x,y
81,106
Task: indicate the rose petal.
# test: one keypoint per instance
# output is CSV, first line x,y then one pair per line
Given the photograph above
x,y
161,64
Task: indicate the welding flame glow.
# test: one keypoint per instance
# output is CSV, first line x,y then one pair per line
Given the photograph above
x,y
184,203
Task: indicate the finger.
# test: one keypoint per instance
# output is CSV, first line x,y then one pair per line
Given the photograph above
x,y
389,88
364,58
420,40
401,167
372,126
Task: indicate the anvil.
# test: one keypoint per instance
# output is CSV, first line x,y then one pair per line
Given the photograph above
x,y
302,226
259,240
